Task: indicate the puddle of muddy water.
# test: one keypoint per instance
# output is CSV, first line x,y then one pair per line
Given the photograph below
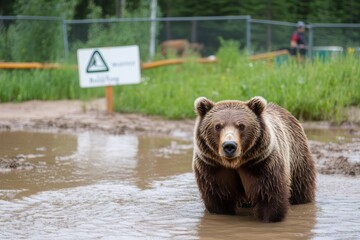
x,y
331,135
90,185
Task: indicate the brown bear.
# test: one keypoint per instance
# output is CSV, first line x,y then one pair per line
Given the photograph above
x,y
180,47
251,154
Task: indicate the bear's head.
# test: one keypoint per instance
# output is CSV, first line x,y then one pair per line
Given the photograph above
x,y
227,130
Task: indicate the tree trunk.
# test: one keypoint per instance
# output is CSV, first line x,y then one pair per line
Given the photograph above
x,y
168,30
193,37
269,27
120,8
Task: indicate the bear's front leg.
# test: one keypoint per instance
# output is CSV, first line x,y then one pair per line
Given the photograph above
x,y
269,194
271,209
219,189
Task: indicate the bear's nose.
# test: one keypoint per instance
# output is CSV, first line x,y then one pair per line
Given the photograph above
x,y
229,148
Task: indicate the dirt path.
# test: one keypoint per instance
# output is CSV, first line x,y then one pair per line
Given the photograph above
x,y
77,115
332,158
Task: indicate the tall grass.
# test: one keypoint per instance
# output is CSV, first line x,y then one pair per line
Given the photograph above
x,y
22,85
311,91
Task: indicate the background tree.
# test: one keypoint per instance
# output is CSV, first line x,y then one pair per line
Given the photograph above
x,y
35,40
42,41
114,34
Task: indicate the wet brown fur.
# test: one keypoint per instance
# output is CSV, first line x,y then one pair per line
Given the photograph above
x,y
274,167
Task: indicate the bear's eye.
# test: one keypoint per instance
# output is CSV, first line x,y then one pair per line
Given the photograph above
x,y
218,127
241,126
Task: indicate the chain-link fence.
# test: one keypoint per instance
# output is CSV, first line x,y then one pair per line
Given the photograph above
x,y
336,38
47,39
113,32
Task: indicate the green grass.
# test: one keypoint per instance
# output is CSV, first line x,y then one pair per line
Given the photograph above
x,y
311,91
23,85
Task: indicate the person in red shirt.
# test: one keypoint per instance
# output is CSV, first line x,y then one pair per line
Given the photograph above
x,y
298,42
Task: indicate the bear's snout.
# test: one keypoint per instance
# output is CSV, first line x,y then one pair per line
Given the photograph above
x,y
229,148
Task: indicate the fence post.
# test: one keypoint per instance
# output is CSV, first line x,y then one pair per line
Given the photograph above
x,y
153,9
65,38
248,34
311,41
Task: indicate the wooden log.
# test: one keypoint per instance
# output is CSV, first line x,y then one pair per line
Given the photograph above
x,y
268,55
27,65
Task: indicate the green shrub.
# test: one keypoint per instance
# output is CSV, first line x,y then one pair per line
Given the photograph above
x,y
311,91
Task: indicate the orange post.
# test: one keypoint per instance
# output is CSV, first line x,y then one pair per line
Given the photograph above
x,y
109,99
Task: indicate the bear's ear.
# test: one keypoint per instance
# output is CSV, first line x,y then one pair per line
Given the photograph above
x,y
203,105
257,104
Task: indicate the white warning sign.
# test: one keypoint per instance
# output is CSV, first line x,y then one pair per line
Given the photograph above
x,y
109,66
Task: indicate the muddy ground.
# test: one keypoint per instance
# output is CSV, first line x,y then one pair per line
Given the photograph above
x,y
68,116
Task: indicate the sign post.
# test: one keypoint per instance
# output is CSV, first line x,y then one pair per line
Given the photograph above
x,y
107,67
109,99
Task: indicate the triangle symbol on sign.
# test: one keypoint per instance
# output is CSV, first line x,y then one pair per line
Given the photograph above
x,y
96,63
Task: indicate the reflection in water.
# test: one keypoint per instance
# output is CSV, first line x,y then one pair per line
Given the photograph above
x,y
94,185
160,158
299,224
103,157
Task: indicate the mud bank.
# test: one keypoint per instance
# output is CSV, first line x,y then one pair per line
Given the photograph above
x,y
337,158
85,116
332,157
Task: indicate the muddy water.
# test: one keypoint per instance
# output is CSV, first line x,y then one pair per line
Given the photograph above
x,y
331,135
88,185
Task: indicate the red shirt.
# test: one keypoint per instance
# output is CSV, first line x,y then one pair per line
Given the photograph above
x,y
299,38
